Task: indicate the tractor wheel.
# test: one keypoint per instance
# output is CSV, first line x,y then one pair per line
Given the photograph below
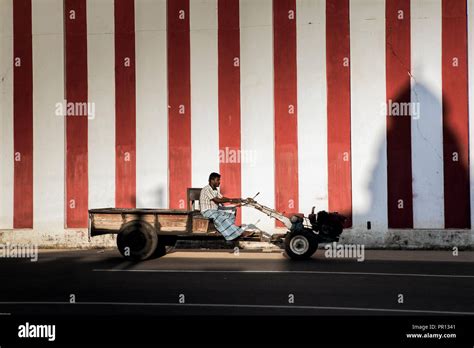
x,y
300,245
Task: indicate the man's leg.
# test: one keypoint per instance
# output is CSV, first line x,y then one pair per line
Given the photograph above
x,y
224,223
231,211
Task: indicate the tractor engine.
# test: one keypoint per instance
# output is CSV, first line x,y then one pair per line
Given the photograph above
x,y
329,225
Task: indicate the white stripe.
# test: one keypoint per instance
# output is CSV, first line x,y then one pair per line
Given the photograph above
x,y
48,147
470,60
369,145
257,120
238,306
101,92
204,95
427,136
6,115
152,104
312,105
289,272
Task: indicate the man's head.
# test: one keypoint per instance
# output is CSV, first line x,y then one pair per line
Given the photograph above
x,y
214,179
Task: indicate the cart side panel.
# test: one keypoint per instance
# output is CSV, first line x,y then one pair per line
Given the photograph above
x,y
113,222
166,222
150,218
174,223
200,225
105,223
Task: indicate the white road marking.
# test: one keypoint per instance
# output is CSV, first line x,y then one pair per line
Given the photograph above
x,y
287,272
239,306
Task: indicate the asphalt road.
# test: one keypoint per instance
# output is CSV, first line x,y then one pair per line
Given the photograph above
x,y
224,283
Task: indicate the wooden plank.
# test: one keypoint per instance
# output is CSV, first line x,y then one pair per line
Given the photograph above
x,y
200,225
173,222
150,218
112,220
107,221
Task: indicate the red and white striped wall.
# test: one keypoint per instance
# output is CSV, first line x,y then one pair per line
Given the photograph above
x,y
283,97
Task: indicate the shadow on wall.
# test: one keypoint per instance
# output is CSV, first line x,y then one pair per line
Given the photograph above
x,y
426,122
156,195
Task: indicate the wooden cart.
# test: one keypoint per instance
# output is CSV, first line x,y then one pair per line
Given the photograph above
x,y
144,233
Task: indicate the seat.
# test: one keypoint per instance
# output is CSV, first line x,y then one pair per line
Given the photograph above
x,y
193,198
201,224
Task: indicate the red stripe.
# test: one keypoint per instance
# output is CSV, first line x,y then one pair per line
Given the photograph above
x,y
22,115
229,98
179,106
455,114
76,126
286,138
398,66
338,107
125,116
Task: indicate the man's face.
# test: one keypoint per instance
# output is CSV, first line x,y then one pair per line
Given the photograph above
x,y
216,182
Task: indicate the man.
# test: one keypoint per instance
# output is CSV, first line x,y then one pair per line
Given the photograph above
x,y
210,203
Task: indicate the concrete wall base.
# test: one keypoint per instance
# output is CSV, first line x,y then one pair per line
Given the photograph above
x,y
391,239
410,239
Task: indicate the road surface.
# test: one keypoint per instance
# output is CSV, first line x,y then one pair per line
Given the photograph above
x,y
72,282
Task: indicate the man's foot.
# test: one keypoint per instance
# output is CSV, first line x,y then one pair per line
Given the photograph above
x,y
247,234
244,234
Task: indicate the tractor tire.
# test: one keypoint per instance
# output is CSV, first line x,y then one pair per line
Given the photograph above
x,y
301,244
137,240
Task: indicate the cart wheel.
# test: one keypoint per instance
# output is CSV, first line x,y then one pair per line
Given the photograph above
x,y
300,245
137,240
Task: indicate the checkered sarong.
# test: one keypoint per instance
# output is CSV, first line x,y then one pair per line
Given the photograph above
x,y
224,222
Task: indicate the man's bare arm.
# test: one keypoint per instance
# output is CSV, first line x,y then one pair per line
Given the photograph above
x,y
226,200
